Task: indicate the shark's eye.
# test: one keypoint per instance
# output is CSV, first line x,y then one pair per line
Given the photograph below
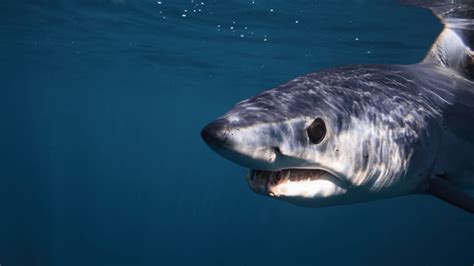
x,y
317,131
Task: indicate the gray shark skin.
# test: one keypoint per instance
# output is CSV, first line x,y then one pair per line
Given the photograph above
x,y
363,132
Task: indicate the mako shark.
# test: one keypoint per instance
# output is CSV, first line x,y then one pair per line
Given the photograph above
x,y
364,132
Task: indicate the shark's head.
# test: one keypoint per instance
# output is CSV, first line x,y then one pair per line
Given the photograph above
x,y
317,143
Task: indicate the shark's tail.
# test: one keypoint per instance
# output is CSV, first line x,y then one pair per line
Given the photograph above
x,y
454,48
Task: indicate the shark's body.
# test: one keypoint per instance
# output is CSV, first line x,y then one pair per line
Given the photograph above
x,y
363,132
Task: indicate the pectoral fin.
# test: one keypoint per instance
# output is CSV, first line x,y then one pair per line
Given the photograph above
x,y
445,190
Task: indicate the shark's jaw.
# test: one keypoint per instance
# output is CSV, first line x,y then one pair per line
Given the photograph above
x,y
273,172
298,183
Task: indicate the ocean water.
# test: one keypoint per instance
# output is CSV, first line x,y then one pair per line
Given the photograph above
x,y
101,162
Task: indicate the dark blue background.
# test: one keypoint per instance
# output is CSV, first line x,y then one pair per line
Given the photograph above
x,y
101,105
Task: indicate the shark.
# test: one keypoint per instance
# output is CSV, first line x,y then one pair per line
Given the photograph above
x,y
359,133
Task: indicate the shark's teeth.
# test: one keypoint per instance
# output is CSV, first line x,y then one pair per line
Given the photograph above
x,y
274,177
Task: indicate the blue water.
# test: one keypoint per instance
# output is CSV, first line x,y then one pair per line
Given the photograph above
x,y
101,162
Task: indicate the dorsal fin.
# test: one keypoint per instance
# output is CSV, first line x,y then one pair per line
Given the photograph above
x,y
454,48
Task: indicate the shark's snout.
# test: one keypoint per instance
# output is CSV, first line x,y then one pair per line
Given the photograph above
x,y
216,133
244,145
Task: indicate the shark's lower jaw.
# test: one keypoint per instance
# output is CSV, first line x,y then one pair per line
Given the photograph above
x,y
300,183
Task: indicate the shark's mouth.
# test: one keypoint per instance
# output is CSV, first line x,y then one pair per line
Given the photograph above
x,y
293,182
286,174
